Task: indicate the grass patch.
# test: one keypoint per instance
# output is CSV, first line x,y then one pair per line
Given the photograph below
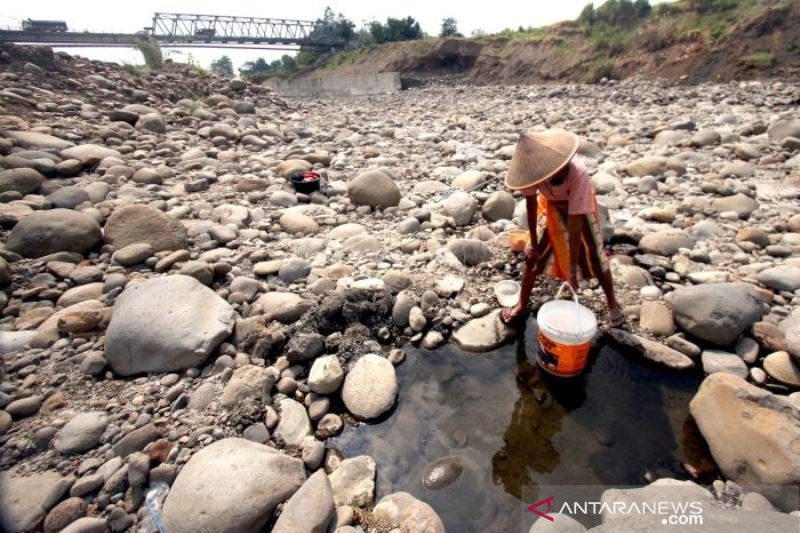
x,y
599,69
151,52
137,71
760,60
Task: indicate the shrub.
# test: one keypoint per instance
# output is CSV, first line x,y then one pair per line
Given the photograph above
x,y
151,52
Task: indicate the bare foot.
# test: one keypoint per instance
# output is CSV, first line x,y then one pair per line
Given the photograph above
x,y
616,318
510,316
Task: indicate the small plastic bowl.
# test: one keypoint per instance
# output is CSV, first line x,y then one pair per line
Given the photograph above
x,y
507,293
305,182
518,239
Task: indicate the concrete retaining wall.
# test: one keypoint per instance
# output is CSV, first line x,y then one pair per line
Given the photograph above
x,y
350,85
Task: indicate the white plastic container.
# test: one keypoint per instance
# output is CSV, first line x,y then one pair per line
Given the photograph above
x,y
507,293
566,330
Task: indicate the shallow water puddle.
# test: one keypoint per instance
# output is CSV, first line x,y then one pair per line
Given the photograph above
x,y
509,425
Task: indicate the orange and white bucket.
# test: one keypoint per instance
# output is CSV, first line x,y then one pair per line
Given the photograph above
x,y
566,330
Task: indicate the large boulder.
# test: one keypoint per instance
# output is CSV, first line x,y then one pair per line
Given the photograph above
x,y
231,485
752,433
499,206
375,188
370,387
166,324
311,509
25,499
56,230
140,223
717,312
21,180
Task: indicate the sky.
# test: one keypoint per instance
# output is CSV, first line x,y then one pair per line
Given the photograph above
x,y
129,17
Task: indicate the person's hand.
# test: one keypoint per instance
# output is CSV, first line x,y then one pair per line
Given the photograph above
x,y
531,255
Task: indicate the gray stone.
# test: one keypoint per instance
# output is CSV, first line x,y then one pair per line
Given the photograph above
x,y
68,197
752,434
401,310
470,252
654,351
186,325
654,166
311,509
305,347
326,375
499,206
294,425
375,188
715,361
404,511
784,128
370,387
56,230
293,222
353,481
89,154
21,180
780,278
483,334
133,254
152,122
656,318
25,407
294,269
461,207
666,242
747,349
469,180
82,433
717,312
143,224
249,382
37,141
26,499
741,204
240,483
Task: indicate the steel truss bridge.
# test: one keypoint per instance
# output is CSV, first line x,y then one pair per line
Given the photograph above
x,y
180,30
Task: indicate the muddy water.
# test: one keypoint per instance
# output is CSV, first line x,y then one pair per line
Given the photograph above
x,y
504,424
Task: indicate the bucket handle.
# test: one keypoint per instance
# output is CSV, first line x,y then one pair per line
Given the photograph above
x,y
574,297
567,285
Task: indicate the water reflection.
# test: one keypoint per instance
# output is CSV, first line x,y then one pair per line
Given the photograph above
x,y
510,425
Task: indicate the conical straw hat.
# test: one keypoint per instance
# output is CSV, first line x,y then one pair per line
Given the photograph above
x,y
538,156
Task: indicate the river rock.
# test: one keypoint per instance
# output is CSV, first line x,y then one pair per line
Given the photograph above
x,y
21,180
499,206
26,499
469,180
781,367
152,122
294,425
717,312
780,278
353,482
248,382
654,166
666,242
144,224
784,128
82,433
656,318
718,361
37,141
741,204
375,188
461,207
752,434
56,230
293,222
483,334
370,387
239,482
89,154
180,332
326,375
404,511
311,509
651,350
470,252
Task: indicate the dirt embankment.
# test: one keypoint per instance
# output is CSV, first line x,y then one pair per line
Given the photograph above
x,y
759,42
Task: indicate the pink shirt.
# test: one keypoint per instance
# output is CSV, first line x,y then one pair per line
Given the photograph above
x,y
575,193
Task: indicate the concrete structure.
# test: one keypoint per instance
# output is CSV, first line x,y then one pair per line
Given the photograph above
x,y
349,85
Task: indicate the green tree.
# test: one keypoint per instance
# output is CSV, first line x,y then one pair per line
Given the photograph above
x,y
642,7
406,29
288,63
449,28
587,15
331,26
252,68
222,66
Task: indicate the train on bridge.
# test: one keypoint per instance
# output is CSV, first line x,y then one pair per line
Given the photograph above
x,y
44,25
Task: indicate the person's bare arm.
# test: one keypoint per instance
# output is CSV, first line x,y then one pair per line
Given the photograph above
x,y
532,250
575,227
